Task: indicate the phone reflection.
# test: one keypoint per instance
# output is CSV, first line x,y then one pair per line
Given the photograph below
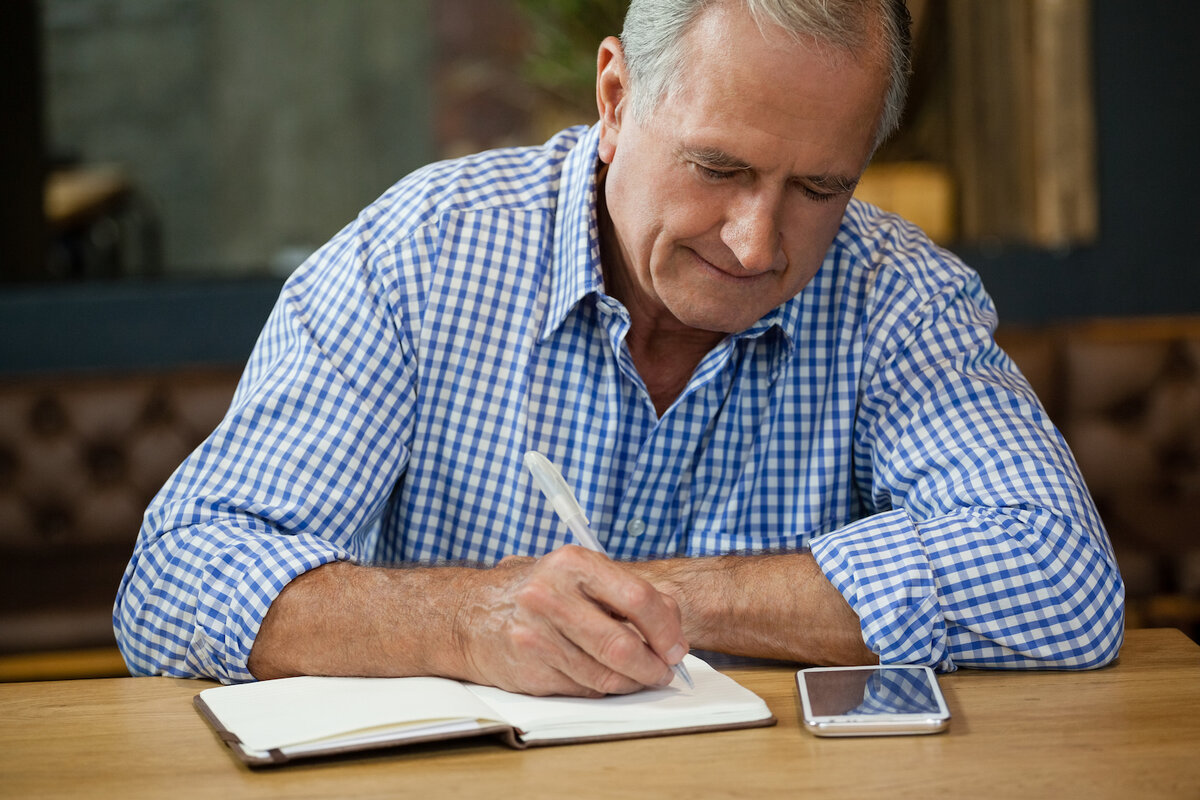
x,y
870,692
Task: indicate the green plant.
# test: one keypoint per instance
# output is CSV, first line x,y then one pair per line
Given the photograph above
x,y
565,36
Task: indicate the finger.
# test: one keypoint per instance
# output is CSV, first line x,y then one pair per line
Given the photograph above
x,y
589,677
548,683
552,663
607,595
604,653
653,614
618,659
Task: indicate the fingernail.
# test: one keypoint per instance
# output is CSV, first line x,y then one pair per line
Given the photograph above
x,y
665,680
676,654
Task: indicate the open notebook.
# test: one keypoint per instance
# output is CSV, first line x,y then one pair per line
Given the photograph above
x,y
275,721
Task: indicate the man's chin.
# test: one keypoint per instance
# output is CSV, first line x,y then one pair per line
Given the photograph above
x,y
716,318
716,305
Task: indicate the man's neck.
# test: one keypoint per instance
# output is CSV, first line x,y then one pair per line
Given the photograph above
x,y
664,350
666,361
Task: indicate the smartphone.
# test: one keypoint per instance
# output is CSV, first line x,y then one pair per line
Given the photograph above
x,y
885,700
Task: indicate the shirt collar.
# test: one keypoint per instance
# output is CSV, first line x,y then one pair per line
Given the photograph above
x,y
785,318
575,270
575,257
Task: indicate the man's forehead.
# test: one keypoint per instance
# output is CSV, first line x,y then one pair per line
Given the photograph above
x,y
737,69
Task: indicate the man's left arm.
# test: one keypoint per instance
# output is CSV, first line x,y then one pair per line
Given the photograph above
x,y
985,548
765,606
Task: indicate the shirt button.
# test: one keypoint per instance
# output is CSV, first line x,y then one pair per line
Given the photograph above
x,y
636,527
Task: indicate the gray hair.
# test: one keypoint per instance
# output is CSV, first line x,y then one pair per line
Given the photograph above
x,y
654,30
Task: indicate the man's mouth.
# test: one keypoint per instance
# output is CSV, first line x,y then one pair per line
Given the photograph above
x,y
736,273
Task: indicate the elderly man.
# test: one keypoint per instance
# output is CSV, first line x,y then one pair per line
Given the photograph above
x,y
782,409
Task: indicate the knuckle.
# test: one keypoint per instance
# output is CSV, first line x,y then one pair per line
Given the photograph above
x,y
569,555
620,648
533,595
610,682
524,637
671,604
638,594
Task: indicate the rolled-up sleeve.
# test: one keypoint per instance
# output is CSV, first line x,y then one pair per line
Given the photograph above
x,y
294,477
985,548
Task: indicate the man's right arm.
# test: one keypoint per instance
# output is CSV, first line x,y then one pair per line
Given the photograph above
x,y
244,565
291,479
540,626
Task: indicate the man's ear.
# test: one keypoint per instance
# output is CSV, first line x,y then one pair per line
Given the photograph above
x,y
612,89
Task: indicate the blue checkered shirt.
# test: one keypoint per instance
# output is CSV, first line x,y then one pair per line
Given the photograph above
x,y
461,320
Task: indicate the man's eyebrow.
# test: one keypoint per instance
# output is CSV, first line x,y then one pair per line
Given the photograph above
x,y
719,159
712,157
834,183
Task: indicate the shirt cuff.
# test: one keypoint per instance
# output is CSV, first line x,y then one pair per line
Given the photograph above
x,y
881,568
240,584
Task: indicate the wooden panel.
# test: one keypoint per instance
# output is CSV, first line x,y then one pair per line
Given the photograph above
x,y
96,662
1022,120
921,192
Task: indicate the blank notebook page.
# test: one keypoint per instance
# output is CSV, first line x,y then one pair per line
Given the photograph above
x,y
675,706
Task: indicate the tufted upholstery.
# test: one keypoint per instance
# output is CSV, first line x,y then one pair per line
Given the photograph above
x,y
1126,395
80,457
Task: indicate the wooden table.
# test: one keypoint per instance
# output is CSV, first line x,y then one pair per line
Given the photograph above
x,y
1129,731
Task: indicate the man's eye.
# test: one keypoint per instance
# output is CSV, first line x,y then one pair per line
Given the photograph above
x,y
714,174
820,197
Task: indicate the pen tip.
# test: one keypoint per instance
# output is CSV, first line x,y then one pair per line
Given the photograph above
x,y
682,672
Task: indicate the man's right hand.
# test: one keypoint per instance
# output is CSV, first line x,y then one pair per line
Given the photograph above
x,y
571,622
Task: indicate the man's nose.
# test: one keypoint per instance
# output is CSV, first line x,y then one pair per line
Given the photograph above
x,y
752,232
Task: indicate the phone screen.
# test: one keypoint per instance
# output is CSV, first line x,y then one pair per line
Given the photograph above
x,y
841,701
870,691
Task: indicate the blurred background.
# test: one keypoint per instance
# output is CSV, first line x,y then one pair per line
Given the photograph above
x,y
167,163
240,135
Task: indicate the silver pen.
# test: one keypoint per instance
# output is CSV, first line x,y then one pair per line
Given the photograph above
x,y
562,499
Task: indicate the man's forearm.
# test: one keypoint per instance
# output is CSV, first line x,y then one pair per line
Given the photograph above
x,y
571,622
345,619
768,606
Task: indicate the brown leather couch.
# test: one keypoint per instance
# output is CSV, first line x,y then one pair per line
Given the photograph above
x,y
1126,395
81,455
